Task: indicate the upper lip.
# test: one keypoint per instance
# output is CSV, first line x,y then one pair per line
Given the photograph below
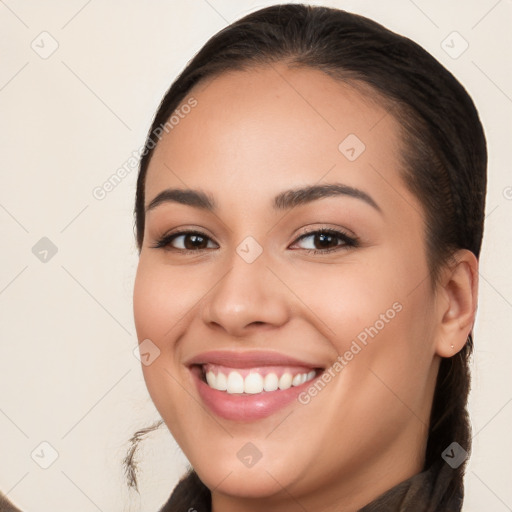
x,y
247,359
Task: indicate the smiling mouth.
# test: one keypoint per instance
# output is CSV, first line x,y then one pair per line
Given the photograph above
x,y
252,381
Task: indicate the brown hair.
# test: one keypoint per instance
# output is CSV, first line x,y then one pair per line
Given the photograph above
x,y
444,155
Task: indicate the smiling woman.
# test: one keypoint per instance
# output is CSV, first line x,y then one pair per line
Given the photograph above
x,y
324,199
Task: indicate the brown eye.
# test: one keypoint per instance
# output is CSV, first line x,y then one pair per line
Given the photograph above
x,y
186,241
325,241
193,241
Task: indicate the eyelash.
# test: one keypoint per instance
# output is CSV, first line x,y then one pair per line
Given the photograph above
x,y
348,241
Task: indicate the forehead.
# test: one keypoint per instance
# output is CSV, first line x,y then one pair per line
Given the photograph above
x,y
269,127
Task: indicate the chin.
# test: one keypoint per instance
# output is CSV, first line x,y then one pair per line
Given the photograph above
x,y
230,476
251,483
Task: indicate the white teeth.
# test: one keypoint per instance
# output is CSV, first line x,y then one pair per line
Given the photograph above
x,y
235,383
222,382
285,381
211,379
271,382
297,380
255,383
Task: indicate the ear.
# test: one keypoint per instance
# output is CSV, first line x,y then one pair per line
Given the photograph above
x,y
457,302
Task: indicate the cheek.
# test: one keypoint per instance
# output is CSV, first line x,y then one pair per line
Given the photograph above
x,y
384,324
162,298
380,313
160,305
349,297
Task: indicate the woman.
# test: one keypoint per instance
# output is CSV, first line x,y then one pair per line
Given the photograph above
x,y
309,217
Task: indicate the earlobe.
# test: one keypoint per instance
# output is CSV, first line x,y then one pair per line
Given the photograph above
x,y
457,303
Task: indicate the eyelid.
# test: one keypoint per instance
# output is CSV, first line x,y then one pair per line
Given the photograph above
x,y
326,228
349,239
164,241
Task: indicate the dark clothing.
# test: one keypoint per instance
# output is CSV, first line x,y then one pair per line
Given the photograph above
x,y
426,492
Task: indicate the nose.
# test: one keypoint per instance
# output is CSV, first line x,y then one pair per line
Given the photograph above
x,y
247,296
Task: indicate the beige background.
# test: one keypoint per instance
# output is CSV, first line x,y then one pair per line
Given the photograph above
x,y
68,121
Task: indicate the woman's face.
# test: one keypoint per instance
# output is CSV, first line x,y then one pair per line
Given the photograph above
x,y
332,285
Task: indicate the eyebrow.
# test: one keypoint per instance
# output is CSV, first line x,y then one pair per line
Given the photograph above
x,y
283,201
195,198
291,198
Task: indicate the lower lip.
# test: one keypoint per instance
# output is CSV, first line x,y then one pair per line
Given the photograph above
x,y
245,407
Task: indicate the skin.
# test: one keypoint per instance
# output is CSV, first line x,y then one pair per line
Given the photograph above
x,y
252,135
